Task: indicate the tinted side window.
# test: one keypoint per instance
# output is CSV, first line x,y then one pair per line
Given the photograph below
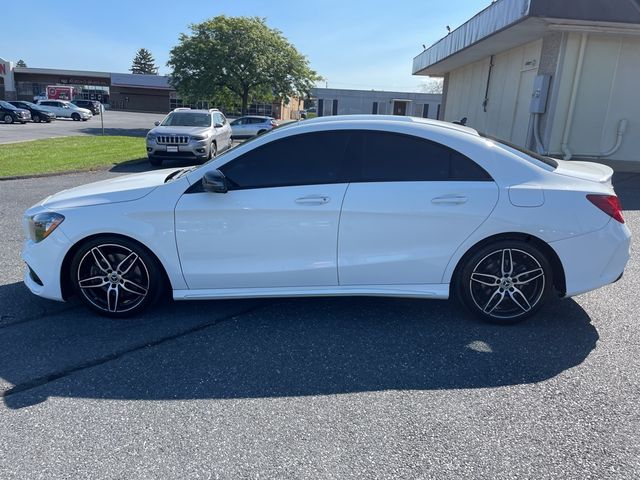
x,y
306,159
393,157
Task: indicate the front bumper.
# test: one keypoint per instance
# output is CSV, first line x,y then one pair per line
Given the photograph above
x,y
194,149
595,259
45,261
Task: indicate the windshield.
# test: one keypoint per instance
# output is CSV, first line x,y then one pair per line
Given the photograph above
x,y
7,105
512,146
187,119
30,105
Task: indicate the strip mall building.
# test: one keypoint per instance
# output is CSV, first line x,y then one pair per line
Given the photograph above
x,y
120,91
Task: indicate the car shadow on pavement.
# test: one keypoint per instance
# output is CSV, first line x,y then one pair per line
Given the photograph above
x,y
285,347
116,132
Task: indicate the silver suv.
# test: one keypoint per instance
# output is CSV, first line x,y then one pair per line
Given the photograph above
x,y
189,134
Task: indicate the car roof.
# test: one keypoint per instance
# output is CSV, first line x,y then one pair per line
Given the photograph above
x,y
389,119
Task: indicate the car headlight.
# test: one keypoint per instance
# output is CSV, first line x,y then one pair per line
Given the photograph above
x,y
43,224
151,136
199,137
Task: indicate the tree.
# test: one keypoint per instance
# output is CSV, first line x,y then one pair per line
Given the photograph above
x,y
240,56
144,63
432,85
21,63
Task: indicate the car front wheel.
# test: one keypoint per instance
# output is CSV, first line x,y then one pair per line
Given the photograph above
x,y
115,277
8,119
155,161
75,117
505,282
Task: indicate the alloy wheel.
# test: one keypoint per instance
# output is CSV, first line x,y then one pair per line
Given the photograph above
x,y
507,284
8,119
113,278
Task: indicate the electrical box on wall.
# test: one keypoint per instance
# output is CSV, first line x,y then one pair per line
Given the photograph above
x,y
540,93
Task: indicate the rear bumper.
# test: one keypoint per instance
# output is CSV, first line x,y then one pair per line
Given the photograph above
x,y
596,259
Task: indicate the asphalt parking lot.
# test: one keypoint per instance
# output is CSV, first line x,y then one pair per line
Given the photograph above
x,y
315,388
115,123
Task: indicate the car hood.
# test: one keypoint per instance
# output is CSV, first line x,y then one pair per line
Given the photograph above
x,y
180,130
81,110
120,189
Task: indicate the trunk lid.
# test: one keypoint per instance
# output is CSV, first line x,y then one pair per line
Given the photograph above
x,y
594,172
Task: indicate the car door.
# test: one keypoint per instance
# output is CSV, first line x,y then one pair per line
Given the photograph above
x,y
226,130
277,226
410,206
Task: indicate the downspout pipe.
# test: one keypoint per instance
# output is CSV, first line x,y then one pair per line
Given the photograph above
x,y
622,129
574,96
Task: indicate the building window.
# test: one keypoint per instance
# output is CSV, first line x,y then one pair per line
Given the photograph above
x,y
334,108
438,115
425,110
374,111
320,112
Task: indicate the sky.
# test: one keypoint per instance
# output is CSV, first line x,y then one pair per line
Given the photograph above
x,y
352,44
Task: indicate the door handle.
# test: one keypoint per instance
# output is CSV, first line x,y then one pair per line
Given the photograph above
x,y
313,200
450,200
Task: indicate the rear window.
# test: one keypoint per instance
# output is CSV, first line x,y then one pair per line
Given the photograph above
x,y
541,158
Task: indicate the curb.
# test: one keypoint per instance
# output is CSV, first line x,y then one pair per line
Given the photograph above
x,y
68,172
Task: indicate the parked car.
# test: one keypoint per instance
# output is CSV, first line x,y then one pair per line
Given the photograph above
x,y
64,109
197,135
93,106
38,114
378,206
247,127
11,114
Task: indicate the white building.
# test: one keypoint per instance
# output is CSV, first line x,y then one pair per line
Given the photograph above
x,y
334,101
560,76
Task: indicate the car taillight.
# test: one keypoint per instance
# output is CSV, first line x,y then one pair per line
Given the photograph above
x,y
274,123
609,204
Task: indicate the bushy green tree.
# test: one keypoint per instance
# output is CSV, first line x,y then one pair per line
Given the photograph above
x,y
144,63
241,57
21,63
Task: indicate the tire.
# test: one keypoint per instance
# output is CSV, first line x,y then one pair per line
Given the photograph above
x,y
115,277
75,117
155,161
213,151
261,132
505,282
36,118
8,119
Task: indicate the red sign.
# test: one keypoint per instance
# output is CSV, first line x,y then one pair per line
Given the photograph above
x,y
3,70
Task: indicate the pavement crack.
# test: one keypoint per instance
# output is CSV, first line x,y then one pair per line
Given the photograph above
x,y
43,380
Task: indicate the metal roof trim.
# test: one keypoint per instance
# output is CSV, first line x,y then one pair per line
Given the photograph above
x,y
494,18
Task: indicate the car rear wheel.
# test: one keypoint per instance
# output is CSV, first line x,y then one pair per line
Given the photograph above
x,y
75,117
505,282
8,119
36,118
115,277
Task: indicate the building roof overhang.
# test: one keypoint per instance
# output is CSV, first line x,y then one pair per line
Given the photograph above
x,y
55,71
507,24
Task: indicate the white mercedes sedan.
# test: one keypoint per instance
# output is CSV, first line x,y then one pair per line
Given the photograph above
x,y
351,205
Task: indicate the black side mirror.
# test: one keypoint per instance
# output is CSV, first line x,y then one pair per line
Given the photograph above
x,y
156,123
214,181
218,125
